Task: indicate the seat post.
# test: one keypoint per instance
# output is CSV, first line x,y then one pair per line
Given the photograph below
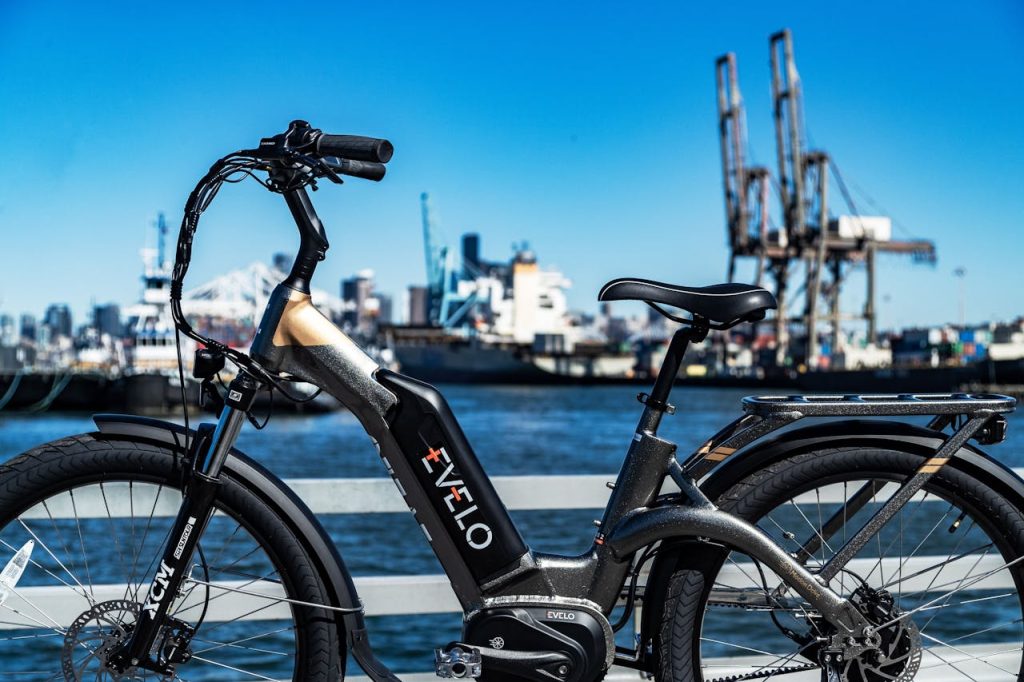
x,y
658,400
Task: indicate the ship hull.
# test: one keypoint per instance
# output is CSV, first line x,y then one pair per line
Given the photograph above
x,y
486,364
468,363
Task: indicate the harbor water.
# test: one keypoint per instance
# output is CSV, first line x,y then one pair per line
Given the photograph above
x,y
515,431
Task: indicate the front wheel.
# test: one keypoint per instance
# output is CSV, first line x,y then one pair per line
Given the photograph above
x,y
97,514
942,580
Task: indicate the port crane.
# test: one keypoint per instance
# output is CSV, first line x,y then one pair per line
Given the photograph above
x,y
445,306
809,233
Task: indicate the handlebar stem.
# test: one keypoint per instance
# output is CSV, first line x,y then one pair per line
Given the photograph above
x,y
313,245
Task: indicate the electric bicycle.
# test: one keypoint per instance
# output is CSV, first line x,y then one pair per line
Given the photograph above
x,y
790,543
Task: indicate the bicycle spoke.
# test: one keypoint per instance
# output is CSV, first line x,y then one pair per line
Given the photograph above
x,y
989,629
231,667
145,534
237,643
60,535
950,559
950,573
81,547
214,598
46,549
961,651
36,564
737,646
117,539
81,541
956,589
274,602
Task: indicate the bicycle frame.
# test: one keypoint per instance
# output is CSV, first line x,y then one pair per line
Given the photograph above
x,y
460,513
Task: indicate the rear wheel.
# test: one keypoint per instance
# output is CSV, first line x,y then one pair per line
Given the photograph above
x,y
98,514
942,580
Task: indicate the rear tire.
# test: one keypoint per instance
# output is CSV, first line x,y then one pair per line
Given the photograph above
x,y
97,511
696,627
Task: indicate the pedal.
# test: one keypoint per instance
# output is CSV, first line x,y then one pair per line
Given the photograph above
x,y
459,660
457,663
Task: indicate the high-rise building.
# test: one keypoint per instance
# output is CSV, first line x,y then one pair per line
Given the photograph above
x,y
58,320
384,308
28,327
356,292
8,331
107,319
419,306
470,255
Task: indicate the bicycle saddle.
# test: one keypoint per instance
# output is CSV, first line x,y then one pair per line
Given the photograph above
x,y
722,303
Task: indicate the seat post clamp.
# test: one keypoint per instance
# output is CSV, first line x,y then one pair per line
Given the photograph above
x,y
650,402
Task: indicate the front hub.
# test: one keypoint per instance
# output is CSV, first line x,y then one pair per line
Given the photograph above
x,y
95,644
93,639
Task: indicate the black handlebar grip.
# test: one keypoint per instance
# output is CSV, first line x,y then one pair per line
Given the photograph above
x,y
355,147
369,170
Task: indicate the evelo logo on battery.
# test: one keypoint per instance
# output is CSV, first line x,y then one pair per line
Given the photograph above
x,y
459,500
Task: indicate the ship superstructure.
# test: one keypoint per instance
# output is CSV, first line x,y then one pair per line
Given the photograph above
x,y
496,321
150,328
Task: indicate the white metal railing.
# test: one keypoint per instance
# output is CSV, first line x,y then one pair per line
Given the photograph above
x,y
417,594
391,595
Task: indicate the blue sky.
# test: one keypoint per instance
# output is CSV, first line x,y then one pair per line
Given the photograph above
x,y
587,129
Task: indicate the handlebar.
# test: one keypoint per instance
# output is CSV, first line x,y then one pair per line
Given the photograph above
x,y
358,169
293,160
355,148
355,155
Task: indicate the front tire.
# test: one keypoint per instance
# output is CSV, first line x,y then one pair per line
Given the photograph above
x,y
99,512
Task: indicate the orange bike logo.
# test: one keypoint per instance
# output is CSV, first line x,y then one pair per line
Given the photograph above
x,y
459,501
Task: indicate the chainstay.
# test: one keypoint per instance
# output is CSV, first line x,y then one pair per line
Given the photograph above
x,y
766,672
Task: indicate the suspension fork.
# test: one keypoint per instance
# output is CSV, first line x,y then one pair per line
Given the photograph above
x,y
193,516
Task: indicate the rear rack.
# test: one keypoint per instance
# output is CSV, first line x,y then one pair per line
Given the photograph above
x,y
972,415
879,405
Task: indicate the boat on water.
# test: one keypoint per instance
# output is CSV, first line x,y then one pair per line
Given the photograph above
x,y
137,372
508,323
434,355
504,322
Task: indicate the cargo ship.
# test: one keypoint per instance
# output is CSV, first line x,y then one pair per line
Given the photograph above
x,y
501,322
434,355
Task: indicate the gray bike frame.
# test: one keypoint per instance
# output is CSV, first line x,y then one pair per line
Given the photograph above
x,y
295,339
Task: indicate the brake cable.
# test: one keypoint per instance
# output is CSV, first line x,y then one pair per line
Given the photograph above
x,y
242,164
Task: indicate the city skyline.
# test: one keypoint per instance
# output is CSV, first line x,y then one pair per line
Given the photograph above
x,y
596,145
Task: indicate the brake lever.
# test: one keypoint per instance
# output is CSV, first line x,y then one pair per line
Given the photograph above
x,y
319,168
330,173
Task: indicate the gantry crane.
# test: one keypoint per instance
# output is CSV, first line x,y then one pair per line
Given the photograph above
x,y
809,234
746,196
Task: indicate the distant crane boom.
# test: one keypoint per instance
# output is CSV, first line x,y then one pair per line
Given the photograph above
x,y
436,255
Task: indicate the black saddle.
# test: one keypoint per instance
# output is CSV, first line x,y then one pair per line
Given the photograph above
x,y
726,304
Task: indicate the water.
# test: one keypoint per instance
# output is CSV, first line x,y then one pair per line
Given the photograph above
x,y
514,430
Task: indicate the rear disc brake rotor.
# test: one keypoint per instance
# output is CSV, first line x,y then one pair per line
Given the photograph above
x,y
897,656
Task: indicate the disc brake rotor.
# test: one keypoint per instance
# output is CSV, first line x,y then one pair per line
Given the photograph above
x,y
896,655
91,638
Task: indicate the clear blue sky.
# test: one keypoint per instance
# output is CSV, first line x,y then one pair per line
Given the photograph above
x,y
587,129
